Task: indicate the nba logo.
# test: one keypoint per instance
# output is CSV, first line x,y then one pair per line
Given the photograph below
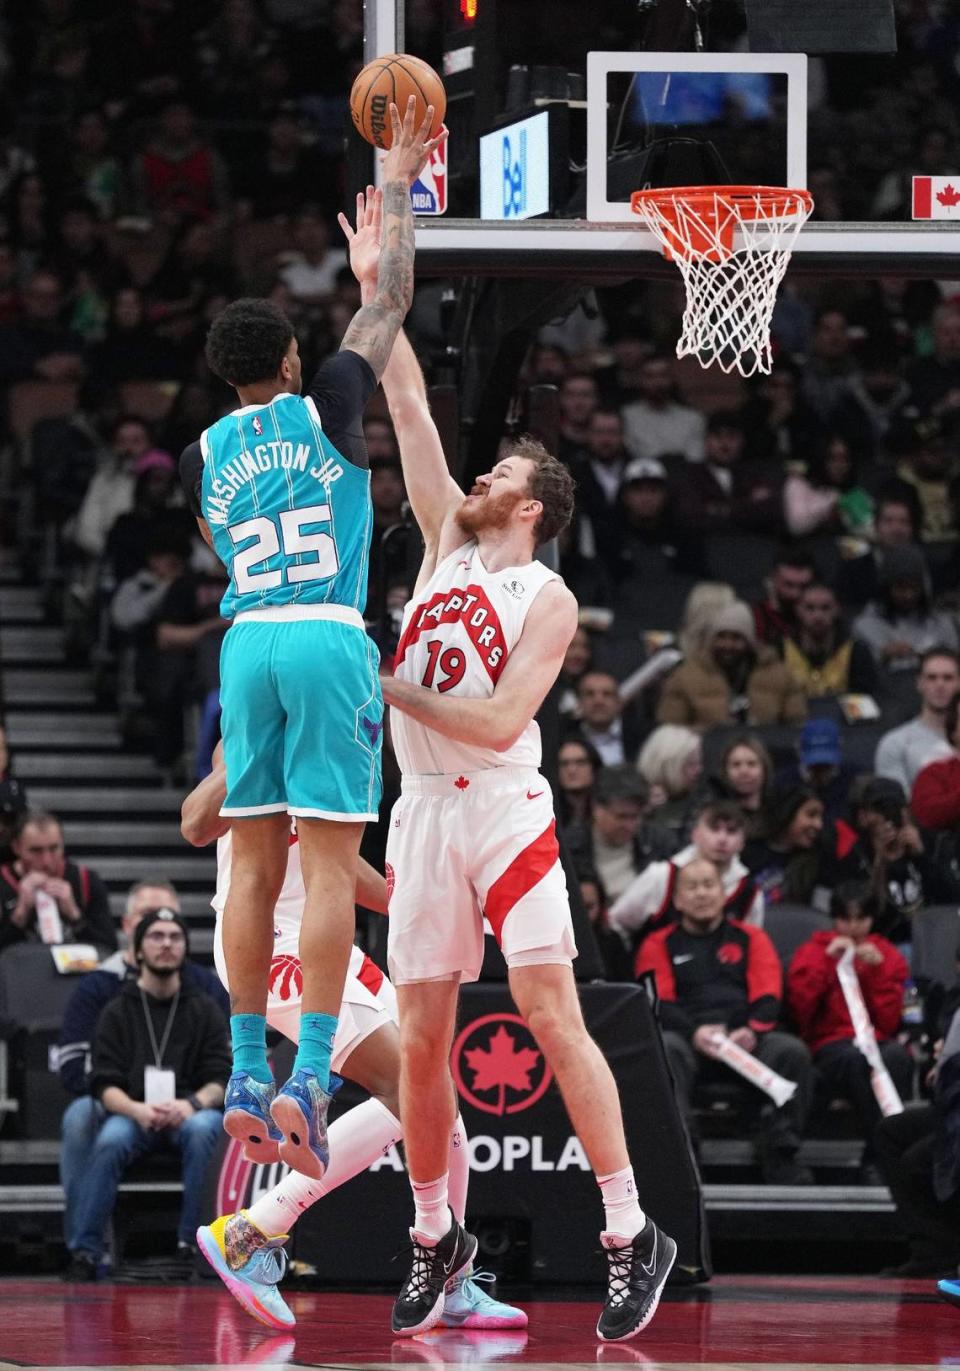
x,y
257,426
429,192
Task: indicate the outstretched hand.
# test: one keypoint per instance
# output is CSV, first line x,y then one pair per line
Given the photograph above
x,y
411,147
365,240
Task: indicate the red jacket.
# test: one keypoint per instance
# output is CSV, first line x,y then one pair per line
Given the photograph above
x,y
816,998
935,800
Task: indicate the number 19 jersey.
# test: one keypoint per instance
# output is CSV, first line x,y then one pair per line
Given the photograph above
x,y
290,516
456,638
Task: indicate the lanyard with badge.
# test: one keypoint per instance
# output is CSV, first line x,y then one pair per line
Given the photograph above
x,y
159,1083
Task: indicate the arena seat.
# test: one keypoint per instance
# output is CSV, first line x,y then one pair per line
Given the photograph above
x,y
936,937
790,925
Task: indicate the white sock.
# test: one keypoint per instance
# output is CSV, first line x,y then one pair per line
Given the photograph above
x,y
624,1217
458,1177
356,1139
432,1218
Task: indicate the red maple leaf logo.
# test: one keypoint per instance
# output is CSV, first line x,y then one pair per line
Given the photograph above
x,y
461,783
949,196
500,1065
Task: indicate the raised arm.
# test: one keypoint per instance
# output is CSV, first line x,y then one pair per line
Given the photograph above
x,y
374,327
432,490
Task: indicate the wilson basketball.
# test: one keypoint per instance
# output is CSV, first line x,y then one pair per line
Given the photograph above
x,y
395,77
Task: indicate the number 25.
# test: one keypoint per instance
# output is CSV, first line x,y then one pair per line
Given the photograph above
x,y
266,544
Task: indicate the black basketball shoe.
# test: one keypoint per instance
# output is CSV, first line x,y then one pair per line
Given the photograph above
x,y
419,1305
637,1276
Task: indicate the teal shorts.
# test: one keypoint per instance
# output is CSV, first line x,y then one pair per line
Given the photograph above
x,y
302,714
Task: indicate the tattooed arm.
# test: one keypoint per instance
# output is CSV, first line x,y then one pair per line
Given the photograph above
x,y
374,327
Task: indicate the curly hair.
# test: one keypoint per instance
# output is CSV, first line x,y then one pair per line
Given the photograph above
x,y
550,483
247,342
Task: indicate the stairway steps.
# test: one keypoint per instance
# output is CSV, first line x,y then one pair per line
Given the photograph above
x,y
61,730
64,688
39,640
80,802
21,605
113,768
97,835
194,904
195,870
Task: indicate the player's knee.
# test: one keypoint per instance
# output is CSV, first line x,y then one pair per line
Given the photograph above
x,y
553,1030
423,1044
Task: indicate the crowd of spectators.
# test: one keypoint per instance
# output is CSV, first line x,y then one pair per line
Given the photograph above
x,y
760,709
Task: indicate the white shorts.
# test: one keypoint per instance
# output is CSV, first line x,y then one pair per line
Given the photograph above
x,y
369,1000
464,848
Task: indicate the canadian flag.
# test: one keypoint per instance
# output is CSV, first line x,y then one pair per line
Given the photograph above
x,y
936,197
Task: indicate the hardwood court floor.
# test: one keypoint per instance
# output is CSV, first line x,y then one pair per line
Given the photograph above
x,y
777,1323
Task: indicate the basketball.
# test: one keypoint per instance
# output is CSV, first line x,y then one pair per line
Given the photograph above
x,y
394,77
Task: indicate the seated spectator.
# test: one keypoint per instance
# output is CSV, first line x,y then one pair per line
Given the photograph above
x,y
616,959
619,842
671,763
821,655
604,722
718,835
131,349
578,766
787,857
905,751
899,863
702,606
192,275
827,496
897,524
389,546
111,491
917,1156
779,423
576,662
94,991
179,176
831,367
273,181
776,616
153,516
900,626
726,492
928,468
820,1011
745,774
821,768
46,898
310,270
733,681
158,1022
598,471
38,346
659,424
578,399
650,547
934,381
935,798
621,380
713,973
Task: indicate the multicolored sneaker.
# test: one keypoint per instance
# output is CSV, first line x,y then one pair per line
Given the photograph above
x,y
300,1112
246,1116
250,1265
949,1290
467,1305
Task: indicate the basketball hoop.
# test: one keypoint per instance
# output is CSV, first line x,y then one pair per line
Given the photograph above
x,y
732,245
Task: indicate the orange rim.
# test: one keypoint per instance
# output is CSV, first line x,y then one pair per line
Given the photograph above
x,y
718,209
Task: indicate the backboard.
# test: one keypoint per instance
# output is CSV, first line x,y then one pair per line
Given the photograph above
x,y
857,126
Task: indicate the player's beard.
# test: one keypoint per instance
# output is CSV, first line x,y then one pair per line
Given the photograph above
x,y
489,513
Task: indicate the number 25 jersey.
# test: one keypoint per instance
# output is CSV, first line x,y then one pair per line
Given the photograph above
x,y
456,638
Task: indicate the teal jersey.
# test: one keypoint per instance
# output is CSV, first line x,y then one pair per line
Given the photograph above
x,y
290,514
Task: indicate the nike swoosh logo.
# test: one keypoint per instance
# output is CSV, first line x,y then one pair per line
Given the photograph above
x,y
653,1259
684,957
534,797
448,1266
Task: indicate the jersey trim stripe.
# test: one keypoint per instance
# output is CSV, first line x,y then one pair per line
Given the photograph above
x,y
370,975
525,871
288,614
325,814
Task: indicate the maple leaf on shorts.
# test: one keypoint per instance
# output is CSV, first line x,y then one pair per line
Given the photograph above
x,y
501,1064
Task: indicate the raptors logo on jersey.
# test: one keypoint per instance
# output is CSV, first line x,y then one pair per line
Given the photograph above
x,y
457,637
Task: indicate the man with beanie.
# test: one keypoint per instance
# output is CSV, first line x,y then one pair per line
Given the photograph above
x,y
900,626
733,681
161,1059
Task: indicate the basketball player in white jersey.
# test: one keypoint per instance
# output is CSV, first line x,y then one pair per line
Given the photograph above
x,y
473,835
246,1249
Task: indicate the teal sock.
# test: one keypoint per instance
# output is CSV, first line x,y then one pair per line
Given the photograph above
x,y
248,1032
316,1045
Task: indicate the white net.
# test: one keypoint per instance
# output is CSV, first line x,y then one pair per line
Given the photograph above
x,y
732,247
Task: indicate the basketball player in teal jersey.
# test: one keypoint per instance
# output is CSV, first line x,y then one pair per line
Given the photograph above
x,y
281,491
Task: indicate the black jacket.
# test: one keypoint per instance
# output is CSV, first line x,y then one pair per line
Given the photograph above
x,y
198,1050
94,926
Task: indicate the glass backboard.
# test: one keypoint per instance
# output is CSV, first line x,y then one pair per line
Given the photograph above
x,y
875,136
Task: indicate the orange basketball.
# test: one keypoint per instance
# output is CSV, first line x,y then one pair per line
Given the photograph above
x,y
395,77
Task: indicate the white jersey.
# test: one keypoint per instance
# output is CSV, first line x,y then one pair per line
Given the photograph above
x,y
456,638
